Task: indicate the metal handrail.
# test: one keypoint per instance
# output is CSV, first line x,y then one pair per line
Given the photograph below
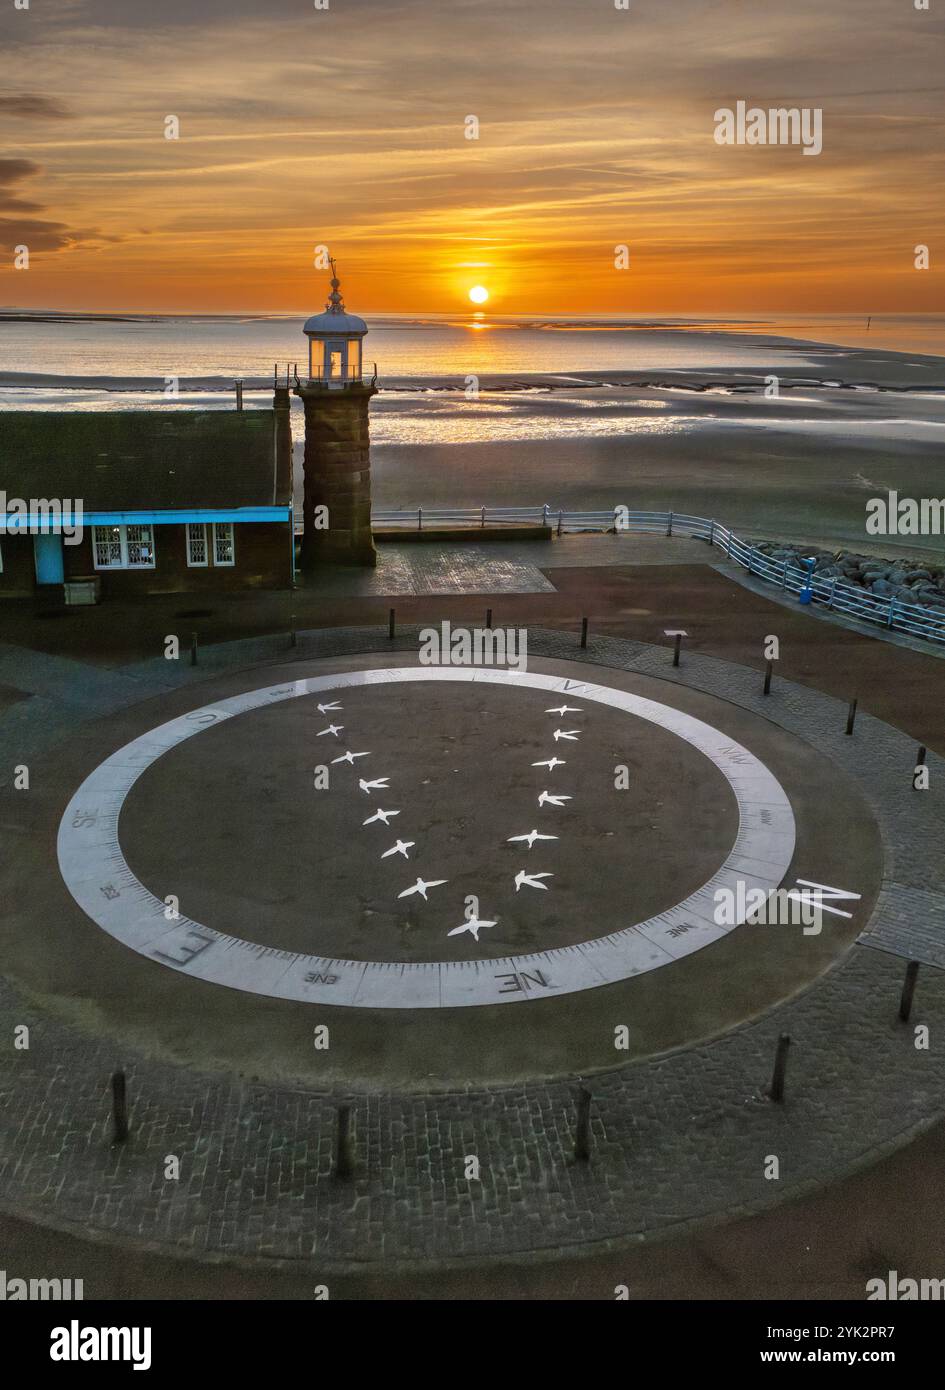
x,y
835,594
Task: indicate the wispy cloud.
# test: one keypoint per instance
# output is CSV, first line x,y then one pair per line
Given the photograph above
x,y
346,126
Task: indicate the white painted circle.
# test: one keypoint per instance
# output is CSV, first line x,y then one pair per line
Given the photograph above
x,y
99,878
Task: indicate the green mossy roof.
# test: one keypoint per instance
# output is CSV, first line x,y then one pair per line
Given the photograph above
x,y
134,460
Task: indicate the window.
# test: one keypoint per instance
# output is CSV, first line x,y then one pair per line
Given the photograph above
x,y
223,549
334,369
354,359
123,547
197,545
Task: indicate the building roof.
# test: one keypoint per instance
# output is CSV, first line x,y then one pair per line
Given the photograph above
x,y
335,321
133,460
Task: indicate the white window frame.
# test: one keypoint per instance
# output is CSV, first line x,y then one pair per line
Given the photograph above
x,y
224,531
123,562
190,527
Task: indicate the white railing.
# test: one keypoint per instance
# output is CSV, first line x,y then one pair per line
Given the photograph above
x,y
835,594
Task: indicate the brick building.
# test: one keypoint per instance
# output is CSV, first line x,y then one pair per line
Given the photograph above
x,y
155,501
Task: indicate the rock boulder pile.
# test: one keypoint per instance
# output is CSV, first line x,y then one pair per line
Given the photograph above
x,y
903,580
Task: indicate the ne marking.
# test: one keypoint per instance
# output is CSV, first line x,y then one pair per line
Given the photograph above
x,y
92,866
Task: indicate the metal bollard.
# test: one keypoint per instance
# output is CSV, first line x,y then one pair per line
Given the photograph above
x,y
344,1160
851,716
582,1132
390,624
119,1108
193,649
780,1069
908,990
769,667
293,637
489,619
583,632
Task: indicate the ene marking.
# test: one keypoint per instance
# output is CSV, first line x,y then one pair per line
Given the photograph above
x,y
819,896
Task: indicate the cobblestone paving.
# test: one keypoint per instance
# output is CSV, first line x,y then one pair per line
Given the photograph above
x,y
429,568
675,1139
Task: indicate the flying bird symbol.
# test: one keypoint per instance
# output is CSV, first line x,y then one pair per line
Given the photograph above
x,y
382,816
523,879
421,887
572,734
377,784
323,709
550,763
335,729
563,710
530,838
472,926
401,847
546,799
350,757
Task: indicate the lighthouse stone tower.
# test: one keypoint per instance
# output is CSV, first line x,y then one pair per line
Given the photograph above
x,y
337,439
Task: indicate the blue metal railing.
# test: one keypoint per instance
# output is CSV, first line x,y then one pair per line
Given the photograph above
x,y
834,594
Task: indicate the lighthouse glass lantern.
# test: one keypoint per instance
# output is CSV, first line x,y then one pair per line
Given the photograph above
x,y
334,343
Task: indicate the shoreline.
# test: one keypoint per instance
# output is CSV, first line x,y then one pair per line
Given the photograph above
x,y
742,382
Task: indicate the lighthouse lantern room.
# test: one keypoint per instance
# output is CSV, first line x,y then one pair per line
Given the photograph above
x,y
334,343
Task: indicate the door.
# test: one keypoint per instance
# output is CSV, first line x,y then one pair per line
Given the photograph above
x,y
47,553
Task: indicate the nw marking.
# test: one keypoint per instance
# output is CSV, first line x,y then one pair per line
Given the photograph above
x,y
523,879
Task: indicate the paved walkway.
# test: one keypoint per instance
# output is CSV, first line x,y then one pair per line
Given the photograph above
x,y
677,1139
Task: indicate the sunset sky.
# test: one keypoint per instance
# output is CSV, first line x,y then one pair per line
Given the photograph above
x,y
345,127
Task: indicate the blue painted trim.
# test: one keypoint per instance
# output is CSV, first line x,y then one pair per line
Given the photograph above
x,y
10,525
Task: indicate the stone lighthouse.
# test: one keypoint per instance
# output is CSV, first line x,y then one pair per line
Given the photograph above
x,y
337,439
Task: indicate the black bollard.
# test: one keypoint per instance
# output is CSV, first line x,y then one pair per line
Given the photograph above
x,y
582,1132
489,619
193,649
769,667
583,632
344,1164
780,1069
119,1108
908,990
920,756
851,716
677,648
390,625
293,638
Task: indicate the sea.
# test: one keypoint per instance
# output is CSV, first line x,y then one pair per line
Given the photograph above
x,y
54,360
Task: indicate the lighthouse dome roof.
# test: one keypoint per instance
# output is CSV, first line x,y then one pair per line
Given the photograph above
x,y
335,321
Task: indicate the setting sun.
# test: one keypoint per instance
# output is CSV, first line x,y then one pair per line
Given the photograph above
x,y
479,294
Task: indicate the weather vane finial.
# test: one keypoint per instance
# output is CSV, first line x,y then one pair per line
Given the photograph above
x,y
335,304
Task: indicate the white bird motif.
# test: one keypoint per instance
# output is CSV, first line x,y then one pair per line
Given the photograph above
x,y
531,880
349,757
421,887
378,783
551,763
381,816
546,799
472,926
401,847
334,729
530,838
572,734
323,709
563,710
